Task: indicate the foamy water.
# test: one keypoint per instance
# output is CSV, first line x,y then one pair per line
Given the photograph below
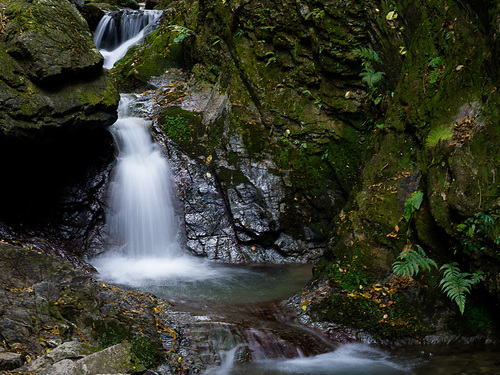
x,y
142,271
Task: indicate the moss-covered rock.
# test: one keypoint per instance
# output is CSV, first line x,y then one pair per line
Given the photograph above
x,y
48,38
51,70
437,137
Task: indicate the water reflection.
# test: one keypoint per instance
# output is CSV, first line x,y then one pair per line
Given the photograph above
x,y
198,280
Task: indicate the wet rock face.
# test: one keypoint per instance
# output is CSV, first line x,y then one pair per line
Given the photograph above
x,y
209,222
230,204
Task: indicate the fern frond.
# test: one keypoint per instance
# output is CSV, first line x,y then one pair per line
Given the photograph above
x,y
457,284
367,54
371,77
411,261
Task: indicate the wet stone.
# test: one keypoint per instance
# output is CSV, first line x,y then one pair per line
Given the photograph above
x,y
10,361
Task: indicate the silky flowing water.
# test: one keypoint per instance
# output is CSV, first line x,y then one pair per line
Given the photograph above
x,y
144,254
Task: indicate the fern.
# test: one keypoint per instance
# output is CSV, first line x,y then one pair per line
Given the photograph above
x,y
371,77
367,55
182,32
411,261
457,284
437,135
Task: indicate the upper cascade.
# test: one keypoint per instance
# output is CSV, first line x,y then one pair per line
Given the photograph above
x,y
120,30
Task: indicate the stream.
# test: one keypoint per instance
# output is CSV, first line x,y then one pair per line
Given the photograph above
x,y
232,313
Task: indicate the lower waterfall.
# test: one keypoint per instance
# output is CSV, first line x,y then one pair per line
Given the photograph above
x,y
140,216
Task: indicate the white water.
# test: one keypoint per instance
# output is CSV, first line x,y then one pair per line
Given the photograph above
x,y
142,226
141,216
114,40
348,359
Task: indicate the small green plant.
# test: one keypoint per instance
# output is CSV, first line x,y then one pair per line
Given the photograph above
x,y
412,204
437,65
271,58
457,284
368,56
316,13
182,33
177,128
478,232
411,261
371,77
437,135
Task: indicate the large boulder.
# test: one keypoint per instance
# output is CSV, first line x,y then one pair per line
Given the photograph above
x,y
74,358
51,70
50,40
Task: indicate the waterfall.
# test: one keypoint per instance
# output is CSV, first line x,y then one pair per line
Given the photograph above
x,y
118,31
141,215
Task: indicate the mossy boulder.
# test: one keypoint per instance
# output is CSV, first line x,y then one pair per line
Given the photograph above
x,y
54,98
51,70
49,39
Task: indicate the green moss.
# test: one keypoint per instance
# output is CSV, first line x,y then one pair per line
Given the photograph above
x,y
390,319
156,54
109,332
479,317
147,351
184,128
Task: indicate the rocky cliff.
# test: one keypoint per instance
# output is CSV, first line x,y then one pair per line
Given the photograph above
x,y
363,130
